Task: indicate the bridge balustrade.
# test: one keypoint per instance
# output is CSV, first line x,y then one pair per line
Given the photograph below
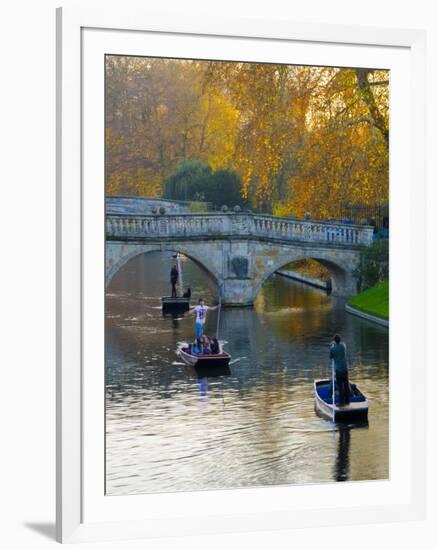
x,y
145,227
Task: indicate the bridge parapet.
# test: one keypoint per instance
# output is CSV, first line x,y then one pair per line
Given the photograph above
x,y
312,231
244,225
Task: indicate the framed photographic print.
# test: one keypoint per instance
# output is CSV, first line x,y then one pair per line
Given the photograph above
x,y
237,200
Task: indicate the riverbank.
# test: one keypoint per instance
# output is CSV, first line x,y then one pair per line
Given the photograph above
x,y
372,304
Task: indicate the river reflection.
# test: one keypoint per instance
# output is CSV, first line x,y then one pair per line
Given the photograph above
x,y
171,430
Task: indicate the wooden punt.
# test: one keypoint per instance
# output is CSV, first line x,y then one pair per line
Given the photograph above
x,y
171,305
356,410
221,359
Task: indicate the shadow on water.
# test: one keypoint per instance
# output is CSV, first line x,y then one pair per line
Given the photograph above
x,y
342,461
171,430
344,433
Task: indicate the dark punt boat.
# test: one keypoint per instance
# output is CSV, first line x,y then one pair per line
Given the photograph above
x,y
172,305
356,410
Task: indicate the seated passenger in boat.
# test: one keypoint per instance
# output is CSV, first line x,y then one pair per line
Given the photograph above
x,y
215,347
206,341
187,293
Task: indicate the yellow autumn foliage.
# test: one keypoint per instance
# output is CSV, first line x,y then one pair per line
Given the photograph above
x,y
302,138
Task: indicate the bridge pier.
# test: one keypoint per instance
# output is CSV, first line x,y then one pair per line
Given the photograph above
x,y
344,285
237,292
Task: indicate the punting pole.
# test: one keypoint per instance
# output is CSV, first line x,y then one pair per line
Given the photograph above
x,y
333,389
218,314
180,281
333,409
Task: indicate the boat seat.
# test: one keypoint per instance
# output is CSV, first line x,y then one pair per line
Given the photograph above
x,y
189,350
325,393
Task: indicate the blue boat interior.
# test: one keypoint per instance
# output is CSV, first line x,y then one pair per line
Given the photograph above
x,y
325,392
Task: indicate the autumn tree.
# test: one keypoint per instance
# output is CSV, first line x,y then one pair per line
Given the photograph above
x,y
300,138
157,114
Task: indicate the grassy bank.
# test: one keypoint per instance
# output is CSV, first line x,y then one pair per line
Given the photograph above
x,y
373,300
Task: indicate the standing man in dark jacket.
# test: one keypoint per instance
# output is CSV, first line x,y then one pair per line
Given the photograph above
x,y
337,353
174,275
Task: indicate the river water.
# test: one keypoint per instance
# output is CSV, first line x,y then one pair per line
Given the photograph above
x,y
167,431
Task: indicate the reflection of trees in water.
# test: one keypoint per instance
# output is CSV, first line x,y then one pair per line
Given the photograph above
x,y
293,310
296,312
370,338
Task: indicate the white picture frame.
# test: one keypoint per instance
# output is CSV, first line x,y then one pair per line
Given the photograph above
x,y
81,516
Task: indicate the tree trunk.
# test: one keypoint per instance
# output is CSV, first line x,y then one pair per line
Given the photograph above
x,y
369,99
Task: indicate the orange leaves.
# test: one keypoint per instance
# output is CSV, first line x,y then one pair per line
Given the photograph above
x,y
301,138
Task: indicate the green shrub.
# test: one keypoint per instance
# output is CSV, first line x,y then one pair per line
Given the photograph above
x,y
225,188
373,266
188,182
193,180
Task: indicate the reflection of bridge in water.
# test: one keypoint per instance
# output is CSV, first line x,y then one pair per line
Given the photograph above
x,y
239,250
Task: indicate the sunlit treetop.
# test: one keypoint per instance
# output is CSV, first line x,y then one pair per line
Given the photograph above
x,y
301,138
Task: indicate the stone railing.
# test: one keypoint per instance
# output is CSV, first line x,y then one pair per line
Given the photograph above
x,y
144,206
219,225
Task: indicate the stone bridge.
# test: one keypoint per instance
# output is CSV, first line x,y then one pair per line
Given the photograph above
x,y
239,250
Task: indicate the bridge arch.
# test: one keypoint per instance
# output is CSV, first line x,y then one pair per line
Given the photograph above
x,y
119,254
342,279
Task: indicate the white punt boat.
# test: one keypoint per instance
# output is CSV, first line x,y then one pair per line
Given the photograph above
x,y
357,409
221,359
